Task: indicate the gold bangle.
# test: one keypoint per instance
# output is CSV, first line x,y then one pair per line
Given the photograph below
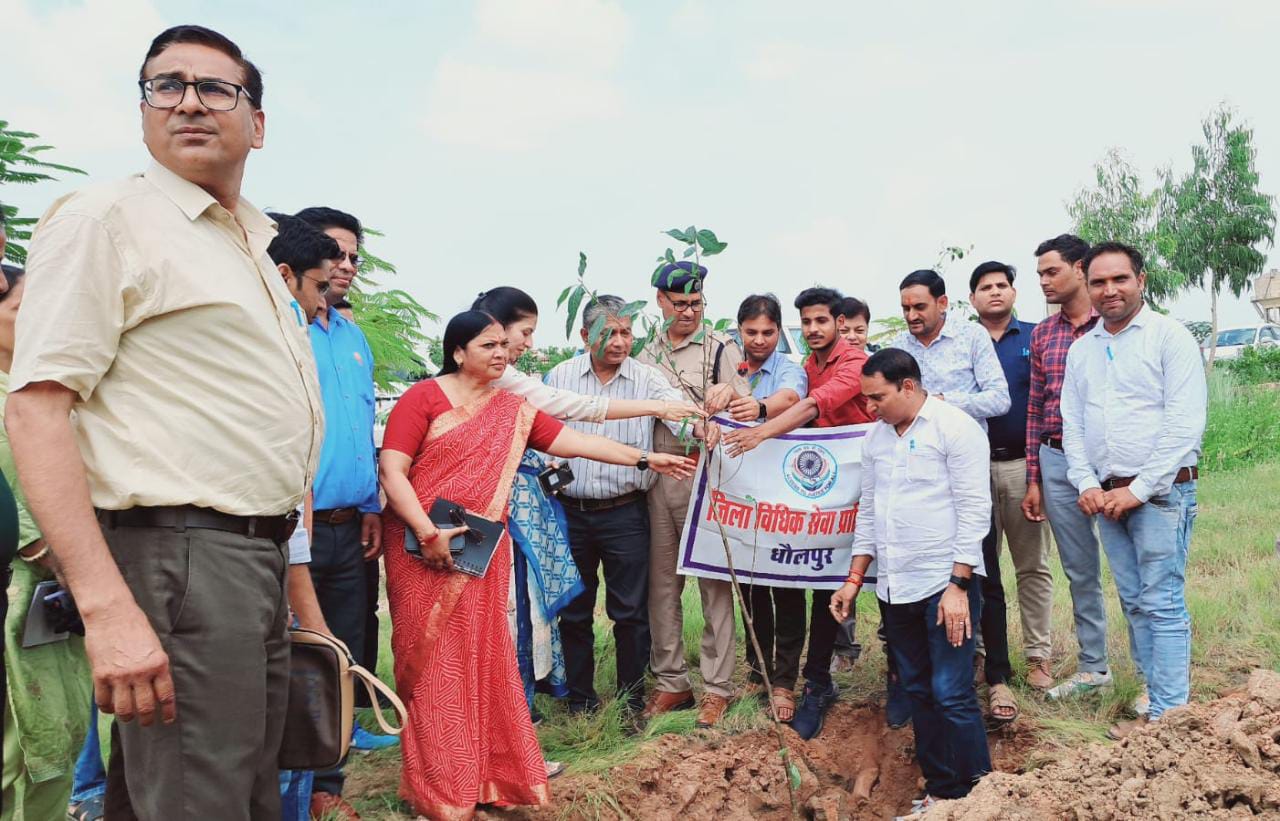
x,y
37,556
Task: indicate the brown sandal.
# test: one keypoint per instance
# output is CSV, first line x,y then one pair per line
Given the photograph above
x,y
784,704
999,696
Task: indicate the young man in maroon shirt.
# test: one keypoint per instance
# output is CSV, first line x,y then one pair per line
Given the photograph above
x,y
834,368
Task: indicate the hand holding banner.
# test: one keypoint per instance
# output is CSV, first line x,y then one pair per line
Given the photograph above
x,y
788,509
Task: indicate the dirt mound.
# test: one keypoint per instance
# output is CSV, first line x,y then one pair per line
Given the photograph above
x,y
855,769
1215,760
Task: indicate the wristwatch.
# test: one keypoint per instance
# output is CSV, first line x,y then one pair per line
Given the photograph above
x,y
962,582
643,464
764,412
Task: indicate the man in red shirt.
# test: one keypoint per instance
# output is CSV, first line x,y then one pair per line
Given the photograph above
x,y
834,368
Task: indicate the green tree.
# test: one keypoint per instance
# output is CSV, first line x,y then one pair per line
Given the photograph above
x,y
21,164
1219,217
1199,328
1120,208
540,361
392,322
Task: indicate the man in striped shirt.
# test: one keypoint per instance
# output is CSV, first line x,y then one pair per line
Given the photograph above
x,y
606,511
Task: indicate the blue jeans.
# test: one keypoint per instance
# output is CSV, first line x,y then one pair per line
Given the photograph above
x,y
1147,550
1081,559
90,777
295,794
951,741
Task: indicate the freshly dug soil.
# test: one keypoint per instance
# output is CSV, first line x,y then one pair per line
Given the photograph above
x,y
710,775
1220,759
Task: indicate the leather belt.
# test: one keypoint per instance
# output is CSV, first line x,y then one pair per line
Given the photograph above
x,y
592,505
336,516
1184,475
1007,454
1054,442
276,528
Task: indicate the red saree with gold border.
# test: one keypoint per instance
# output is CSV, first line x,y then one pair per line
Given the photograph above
x,y
469,739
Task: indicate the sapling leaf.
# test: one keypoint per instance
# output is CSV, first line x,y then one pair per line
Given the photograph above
x,y
688,252
596,328
669,256
722,324
632,308
676,233
563,296
582,263
709,243
574,301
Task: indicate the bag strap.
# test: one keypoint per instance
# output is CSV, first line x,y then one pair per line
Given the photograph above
x,y
373,686
715,370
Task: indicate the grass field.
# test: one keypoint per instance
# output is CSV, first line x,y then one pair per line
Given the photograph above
x,y
1232,589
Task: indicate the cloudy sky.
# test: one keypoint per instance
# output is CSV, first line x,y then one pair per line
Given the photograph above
x,y
827,142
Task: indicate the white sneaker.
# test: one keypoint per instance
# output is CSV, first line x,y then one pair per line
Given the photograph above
x,y
1142,704
1079,684
918,808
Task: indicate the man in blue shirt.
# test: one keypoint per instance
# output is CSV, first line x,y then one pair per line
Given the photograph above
x,y
778,613
347,522
992,295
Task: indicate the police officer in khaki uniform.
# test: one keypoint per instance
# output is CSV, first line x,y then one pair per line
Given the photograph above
x,y
705,368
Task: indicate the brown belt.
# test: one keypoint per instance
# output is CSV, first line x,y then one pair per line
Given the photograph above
x,y
1054,442
276,528
592,505
336,516
1185,475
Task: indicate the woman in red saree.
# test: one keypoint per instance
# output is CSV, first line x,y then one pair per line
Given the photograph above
x,y
469,739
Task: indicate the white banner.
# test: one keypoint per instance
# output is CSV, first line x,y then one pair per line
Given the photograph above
x,y
788,508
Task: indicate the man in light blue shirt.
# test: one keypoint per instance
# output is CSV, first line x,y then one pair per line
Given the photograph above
x,y
346,538
1133,412
777,613
959,364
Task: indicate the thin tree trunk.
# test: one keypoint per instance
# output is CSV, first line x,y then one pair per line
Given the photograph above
x,y
1213,328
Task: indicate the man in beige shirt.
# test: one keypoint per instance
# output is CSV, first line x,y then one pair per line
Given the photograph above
x,y
154,314
704,366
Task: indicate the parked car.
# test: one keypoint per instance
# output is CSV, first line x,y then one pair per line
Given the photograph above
x,y
790,344
1231,341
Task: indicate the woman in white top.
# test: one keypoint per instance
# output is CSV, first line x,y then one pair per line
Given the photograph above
x,y
518,313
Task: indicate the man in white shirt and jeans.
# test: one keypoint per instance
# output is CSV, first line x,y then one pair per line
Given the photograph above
x,y
606,511
925,508
1132,440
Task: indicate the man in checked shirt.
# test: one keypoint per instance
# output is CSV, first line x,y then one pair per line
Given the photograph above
x,y
1049,493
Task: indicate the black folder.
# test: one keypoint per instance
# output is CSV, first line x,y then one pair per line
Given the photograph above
x,y
472,551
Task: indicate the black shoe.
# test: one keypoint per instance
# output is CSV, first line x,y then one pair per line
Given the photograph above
x,y
813,709
581,708
897,704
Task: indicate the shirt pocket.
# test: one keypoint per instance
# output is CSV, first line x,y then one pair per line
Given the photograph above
x,y
923,466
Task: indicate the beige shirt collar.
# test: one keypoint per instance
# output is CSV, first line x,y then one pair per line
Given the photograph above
x,y
194,200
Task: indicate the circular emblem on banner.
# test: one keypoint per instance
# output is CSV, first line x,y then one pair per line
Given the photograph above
x,y
810,470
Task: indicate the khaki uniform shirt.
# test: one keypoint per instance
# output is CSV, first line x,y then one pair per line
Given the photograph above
x,y
684,367
191,363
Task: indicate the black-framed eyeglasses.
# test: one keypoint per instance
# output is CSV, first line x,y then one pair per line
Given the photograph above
x,y
168,92
680,306
322,285
354,259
